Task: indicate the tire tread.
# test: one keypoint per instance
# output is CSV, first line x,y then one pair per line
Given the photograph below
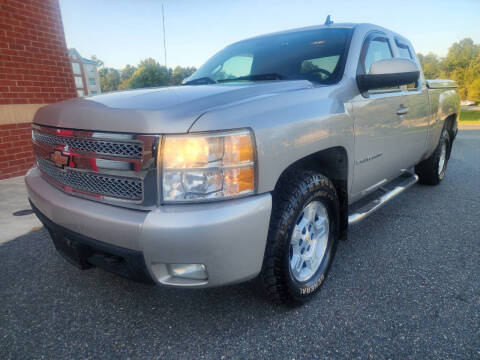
x,y
287,198
427,170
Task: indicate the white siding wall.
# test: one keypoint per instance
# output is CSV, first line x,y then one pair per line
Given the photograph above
x,y
92,73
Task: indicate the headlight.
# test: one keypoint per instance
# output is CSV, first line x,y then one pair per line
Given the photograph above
x,y
198,167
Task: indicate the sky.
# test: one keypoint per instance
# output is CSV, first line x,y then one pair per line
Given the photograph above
x,y
121,32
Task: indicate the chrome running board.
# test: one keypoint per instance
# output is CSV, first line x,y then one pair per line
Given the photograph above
x,y
388,194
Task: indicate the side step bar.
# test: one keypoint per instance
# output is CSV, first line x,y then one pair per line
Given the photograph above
x,y
388,194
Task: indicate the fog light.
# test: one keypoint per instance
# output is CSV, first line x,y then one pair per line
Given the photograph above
x,y
188,271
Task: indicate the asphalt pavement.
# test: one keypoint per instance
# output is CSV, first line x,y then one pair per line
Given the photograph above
x,y
406,285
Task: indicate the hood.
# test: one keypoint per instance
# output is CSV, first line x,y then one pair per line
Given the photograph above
x,y
155,110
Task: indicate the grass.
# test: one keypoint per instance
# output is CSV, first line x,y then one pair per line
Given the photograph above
x,y
470,115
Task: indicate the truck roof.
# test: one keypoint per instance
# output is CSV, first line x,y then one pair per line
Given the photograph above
x,y
367,26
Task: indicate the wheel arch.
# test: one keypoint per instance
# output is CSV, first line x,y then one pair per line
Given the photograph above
x,y
451,126
332,163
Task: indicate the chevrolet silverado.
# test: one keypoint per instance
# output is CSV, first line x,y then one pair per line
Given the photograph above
x,y
253,168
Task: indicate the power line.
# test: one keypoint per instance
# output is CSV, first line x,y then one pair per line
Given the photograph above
x,y
164,36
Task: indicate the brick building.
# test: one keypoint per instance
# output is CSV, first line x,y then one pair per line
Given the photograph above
x,y
34,70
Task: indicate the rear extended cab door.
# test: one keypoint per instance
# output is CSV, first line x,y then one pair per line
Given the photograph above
x,y
415,100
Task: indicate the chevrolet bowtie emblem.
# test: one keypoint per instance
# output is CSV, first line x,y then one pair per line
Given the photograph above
x,y
59,159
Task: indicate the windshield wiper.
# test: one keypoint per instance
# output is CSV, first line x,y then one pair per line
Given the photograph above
x,y
202,80
256,77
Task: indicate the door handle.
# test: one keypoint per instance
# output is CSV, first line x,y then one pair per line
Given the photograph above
x,y
402,110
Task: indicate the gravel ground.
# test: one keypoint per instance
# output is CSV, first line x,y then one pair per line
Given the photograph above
x,y
405,285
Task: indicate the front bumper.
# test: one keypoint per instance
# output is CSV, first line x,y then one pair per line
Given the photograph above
x,y
228,237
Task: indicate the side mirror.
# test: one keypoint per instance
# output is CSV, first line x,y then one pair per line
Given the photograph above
x,y
388,73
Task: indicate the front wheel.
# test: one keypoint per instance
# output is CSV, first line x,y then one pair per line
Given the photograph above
x,y
432,170
302,237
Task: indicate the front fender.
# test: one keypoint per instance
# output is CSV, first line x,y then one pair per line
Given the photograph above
x,y
287,127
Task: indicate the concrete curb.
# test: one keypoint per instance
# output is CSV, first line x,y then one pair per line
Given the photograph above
x,y
469,125
13,195
469,122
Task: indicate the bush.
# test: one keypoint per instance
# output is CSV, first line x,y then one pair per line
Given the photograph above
x,y
474,91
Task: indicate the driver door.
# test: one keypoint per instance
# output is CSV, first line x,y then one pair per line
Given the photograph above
x,y
377,125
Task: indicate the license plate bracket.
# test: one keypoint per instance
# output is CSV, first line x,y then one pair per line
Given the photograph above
x,y
72,251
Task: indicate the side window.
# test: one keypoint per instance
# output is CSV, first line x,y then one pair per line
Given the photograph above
x,y
403,50
236,66
377,48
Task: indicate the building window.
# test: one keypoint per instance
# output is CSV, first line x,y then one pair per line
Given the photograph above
x,y
76,68
91,81
78,82
80,93
93,92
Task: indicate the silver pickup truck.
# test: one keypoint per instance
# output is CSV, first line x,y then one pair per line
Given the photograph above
x,y
253,168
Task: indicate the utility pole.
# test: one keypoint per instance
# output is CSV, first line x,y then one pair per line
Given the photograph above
x,y
164,41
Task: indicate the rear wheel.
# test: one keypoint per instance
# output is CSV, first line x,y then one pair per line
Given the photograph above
x,y
432,170
302,237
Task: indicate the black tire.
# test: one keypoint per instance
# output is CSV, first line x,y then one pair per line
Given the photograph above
x,y
293,193
428,170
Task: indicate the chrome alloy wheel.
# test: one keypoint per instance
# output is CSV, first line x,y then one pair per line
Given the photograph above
x,y
443,158
308,243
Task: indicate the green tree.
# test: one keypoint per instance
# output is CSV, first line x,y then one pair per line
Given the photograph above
x,y
431,65
181,73
109,79
125,76
149,73
127,72
462,64
474,90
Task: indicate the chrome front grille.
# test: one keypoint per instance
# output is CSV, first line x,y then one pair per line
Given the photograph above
x,y
101,147
122,188
108,167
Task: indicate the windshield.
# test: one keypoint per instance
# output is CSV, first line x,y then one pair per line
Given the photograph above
x,y
315,55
